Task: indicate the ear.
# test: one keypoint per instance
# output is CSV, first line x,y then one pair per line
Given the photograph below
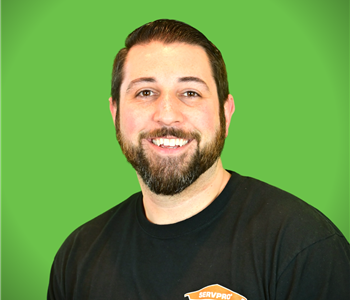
x,y
113,108
229,108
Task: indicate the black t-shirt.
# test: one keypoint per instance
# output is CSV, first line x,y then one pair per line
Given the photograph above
x,y
253,242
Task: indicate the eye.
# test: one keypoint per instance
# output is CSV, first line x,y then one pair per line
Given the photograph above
x,y
145,93
191,94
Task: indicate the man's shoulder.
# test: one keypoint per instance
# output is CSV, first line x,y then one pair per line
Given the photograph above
x,y
277,206
278,217
104,224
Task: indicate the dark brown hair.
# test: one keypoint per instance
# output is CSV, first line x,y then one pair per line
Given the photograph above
x,y
167,32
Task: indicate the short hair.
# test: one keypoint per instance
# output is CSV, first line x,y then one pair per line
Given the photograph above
x,y
167,32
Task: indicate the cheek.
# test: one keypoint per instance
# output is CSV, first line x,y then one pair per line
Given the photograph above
x,y
206,119
128,124
132,122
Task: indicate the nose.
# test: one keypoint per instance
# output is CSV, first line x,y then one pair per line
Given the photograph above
x,y
168,110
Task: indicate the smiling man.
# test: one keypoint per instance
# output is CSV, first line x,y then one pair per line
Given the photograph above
x,y
171,128
196,230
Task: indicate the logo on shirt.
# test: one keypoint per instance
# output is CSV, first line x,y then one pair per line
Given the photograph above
x,y
215,292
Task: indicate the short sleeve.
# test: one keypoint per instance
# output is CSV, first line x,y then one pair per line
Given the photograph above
x,y
55,290
321,271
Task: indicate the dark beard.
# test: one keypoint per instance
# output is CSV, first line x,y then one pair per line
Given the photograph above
x,y
171,175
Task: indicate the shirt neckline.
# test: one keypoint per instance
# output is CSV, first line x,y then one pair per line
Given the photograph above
x,y
204,217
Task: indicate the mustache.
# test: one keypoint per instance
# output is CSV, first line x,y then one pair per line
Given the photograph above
x,y
171,131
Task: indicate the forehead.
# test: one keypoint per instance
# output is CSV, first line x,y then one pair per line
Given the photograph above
x,y
167,62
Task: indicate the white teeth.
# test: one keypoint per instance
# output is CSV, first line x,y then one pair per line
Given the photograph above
x,y
155,142
169,142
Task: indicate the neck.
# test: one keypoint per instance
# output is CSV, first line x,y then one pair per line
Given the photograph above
x,y
160,209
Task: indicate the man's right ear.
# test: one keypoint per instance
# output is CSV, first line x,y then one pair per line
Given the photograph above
x,y
113,108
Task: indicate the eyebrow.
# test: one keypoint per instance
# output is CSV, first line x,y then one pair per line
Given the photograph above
x,y
153,80
139,80
194,79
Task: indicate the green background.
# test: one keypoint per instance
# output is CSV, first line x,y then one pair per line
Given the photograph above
x,y
287,64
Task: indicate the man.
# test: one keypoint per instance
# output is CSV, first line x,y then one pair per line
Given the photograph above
x,y
196,231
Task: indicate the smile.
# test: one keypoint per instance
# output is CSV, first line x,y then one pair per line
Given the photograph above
x,y
169,143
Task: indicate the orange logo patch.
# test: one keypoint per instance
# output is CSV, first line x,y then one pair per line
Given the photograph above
x,y
214,292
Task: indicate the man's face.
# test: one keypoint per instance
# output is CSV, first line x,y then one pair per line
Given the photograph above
x,y
168,122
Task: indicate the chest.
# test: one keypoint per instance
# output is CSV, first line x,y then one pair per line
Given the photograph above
x,y
139,266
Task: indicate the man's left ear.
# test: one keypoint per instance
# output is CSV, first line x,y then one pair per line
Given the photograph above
x,y
229,108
